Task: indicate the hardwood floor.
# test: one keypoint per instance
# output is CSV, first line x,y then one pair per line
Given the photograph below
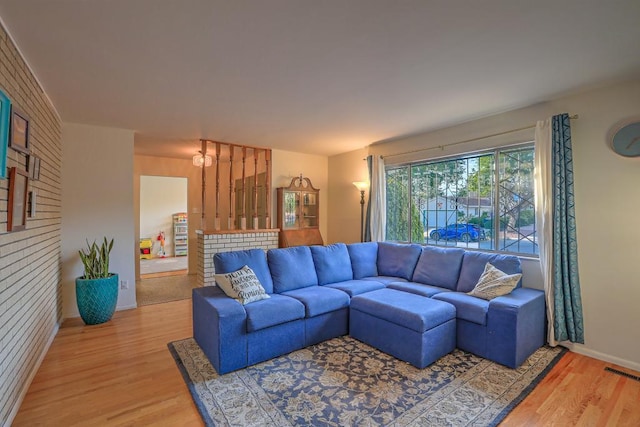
x,y
118,373
121,373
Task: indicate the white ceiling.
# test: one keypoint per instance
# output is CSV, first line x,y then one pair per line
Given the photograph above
x,y
317,76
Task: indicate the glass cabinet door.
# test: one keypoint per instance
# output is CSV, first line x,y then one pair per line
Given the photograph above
x,y
291,203
309,209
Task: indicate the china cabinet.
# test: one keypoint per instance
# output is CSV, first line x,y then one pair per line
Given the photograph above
x,y
299,213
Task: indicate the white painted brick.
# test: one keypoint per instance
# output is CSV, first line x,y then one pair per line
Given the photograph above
x,y
29,269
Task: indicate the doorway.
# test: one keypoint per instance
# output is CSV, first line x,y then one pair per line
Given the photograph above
x,y
164,239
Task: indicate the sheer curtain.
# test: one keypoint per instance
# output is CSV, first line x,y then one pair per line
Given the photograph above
x,y
557,240
376,209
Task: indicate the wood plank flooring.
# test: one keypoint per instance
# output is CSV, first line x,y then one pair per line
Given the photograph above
x,y
121,374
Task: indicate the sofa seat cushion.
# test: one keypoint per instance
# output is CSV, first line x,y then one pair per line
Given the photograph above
x,y
439,267
397,259
332,263
401,308
291,268
356,287
364,258
319,299
385,280
416,288
273,311
255,259
468,308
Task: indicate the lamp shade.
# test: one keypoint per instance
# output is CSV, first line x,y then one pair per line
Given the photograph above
x,y
361,185
200,160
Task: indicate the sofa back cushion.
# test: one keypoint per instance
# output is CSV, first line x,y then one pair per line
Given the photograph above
x,y
226,262
364,258
439,267
332,263
397,259
473,264
291,268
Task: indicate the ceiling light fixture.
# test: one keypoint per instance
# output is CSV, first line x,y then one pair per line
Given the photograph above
x,y
200,160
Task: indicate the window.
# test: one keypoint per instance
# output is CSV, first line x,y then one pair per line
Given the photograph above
x,y
454,202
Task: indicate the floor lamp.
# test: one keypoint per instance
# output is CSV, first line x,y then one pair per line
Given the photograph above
x,y
362,187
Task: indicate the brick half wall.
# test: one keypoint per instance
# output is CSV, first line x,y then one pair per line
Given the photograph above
x,y
210,244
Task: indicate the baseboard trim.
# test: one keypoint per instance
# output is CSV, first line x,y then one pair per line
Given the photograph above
x,y
32,375
118,308
602,356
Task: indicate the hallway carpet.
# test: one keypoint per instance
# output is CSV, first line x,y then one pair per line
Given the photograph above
x,y
158,265
165,289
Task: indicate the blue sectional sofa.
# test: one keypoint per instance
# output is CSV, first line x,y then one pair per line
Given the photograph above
x,y
311,288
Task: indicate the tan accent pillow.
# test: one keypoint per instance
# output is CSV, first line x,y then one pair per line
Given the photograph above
x,y
241,285
494,283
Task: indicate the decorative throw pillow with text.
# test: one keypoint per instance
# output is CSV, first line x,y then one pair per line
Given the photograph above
x,y
241,285
494,283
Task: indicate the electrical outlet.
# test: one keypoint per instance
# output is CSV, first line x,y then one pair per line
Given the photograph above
x,y
124,284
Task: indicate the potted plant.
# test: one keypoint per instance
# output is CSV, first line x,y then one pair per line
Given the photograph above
x,y
97,289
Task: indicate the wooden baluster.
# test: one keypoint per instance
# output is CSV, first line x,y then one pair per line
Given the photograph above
x,y
267,184
203,220
255,188
243,221
230,224
217,220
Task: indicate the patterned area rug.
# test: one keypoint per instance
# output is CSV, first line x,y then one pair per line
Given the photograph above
x,y
343,382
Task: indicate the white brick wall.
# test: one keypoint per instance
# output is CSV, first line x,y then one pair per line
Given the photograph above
x,y
30,293
211,243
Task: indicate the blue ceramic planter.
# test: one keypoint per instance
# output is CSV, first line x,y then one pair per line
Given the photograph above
x,y
97,298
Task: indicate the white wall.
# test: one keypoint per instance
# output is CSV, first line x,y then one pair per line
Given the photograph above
x,y
287,165
160,198
344,204
97,201
608,239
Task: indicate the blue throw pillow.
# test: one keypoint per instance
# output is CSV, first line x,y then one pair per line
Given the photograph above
x,y
332,263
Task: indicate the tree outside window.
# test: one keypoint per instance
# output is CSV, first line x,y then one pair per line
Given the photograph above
x,y
457,200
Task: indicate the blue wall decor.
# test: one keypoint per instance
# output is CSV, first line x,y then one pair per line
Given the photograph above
x,y
5,120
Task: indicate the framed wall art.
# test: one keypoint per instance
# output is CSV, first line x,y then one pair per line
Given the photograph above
x,y
5,124
18,186
19,132
31,204
33,167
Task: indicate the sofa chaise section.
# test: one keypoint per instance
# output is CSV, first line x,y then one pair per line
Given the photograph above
x,y
506,329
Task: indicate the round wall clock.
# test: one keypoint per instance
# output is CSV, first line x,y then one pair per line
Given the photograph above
x,y
626,141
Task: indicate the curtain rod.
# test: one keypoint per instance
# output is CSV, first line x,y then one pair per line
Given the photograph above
x,y
442,147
